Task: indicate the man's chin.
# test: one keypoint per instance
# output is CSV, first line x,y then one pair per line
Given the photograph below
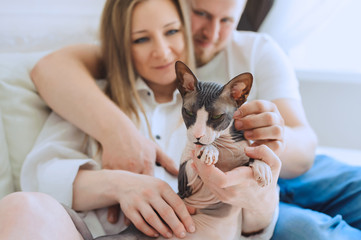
x,y
203,60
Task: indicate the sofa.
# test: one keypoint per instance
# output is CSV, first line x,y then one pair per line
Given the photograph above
x,y
32,31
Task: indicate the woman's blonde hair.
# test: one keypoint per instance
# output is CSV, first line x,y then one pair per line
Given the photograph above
x,y
115,36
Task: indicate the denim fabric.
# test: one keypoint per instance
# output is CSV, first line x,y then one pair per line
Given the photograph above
x,y
323,203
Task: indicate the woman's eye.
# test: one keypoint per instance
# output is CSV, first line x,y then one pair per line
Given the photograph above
x,y
216,117
172,32
189,113
141,40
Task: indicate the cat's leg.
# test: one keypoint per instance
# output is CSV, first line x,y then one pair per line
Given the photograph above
x,y
208,154
261,172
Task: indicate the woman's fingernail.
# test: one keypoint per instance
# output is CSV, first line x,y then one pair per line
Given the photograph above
x,y
182,235
192,228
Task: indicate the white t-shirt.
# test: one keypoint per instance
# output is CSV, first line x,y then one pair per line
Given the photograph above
x,y
60,149
257,53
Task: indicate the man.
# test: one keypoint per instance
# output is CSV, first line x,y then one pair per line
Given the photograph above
x,y
276,120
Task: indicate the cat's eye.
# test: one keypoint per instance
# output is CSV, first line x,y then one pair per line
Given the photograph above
x,y
189,113
216,117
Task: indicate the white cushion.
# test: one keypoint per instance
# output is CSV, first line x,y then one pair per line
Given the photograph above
x,y
6,181
23,113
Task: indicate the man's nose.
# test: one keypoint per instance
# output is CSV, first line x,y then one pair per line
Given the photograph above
x,y
211,31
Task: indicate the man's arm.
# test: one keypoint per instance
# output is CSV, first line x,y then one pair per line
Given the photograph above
x,y
300,139
65,80
66,77
282,126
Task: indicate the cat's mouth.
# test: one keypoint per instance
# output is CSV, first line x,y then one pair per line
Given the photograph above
x,y
199,143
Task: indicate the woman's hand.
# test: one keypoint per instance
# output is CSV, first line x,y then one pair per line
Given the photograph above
x,y
129,150
153,207
262,123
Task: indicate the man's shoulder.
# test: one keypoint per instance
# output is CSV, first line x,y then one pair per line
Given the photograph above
x,y
248,37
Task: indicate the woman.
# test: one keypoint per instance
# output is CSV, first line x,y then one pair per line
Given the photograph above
x,y
155,46
66,164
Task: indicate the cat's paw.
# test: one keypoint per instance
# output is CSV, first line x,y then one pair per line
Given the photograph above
x,y
261,172
208,154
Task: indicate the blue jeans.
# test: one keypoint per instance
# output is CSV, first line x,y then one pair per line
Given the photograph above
x,y
323,203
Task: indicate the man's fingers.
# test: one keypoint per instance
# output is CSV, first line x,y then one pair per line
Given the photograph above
x,y
276,146
191,210
113,213
148,168
256,107
263,153
166,162
213,175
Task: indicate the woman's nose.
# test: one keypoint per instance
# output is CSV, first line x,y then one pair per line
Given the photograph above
x,y
161,48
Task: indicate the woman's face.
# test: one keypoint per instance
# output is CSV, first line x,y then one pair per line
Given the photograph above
x,y
157,40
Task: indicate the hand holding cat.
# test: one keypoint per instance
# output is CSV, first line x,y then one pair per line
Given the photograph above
x,y
238,186
262,123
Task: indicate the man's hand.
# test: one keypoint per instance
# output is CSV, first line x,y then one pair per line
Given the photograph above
x,y
135,153
262,123
238,186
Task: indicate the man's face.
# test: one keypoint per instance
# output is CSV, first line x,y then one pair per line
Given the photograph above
x,y
212,24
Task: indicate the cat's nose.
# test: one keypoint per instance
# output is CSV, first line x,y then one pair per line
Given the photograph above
x,y
198,138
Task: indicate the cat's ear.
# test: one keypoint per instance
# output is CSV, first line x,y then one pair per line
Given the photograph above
x,y
186,80
238,88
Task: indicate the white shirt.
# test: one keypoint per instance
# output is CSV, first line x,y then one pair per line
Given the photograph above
x,y
61,149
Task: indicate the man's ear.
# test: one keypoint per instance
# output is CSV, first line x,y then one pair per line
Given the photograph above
x,y
186,80
238,88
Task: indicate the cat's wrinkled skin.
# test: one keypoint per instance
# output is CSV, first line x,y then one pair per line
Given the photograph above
x,y
207,111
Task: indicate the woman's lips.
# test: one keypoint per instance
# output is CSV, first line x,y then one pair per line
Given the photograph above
x,y
164,66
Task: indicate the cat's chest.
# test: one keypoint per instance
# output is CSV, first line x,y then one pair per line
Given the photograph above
x,y
231,152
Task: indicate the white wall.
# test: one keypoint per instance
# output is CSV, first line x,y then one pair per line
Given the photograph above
x,y
322,39
37,25
332,102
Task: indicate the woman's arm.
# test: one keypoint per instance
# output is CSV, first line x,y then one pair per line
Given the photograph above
x,y
141,199
65,79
